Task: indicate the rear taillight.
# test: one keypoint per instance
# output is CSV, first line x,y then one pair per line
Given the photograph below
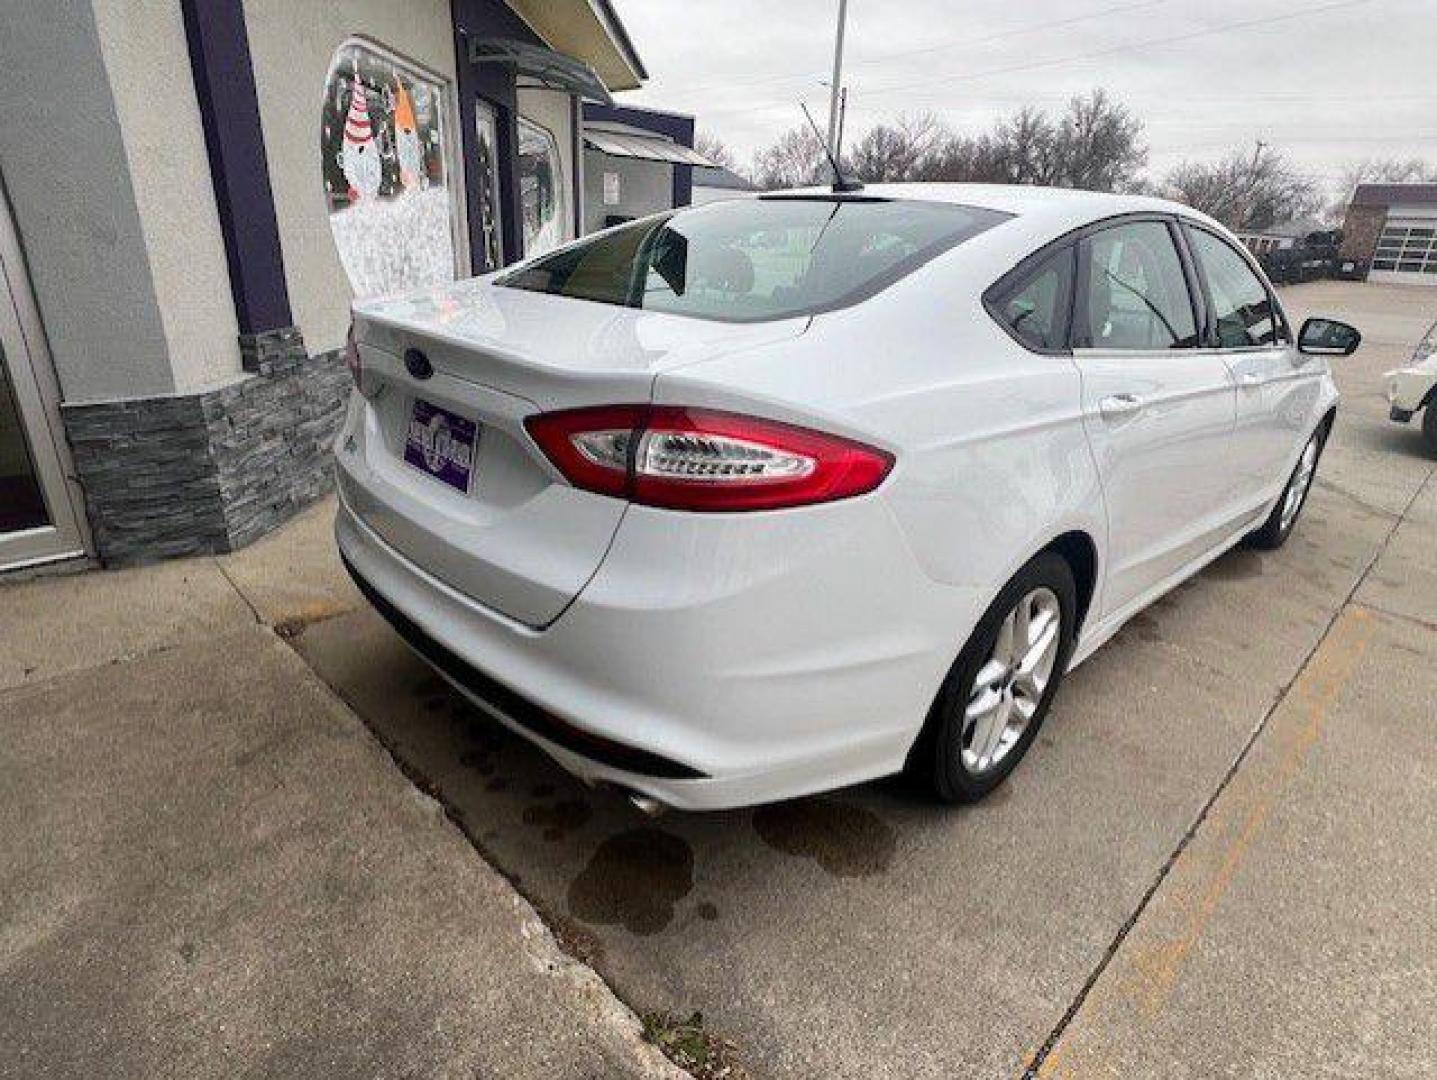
x,y
351,359
694,459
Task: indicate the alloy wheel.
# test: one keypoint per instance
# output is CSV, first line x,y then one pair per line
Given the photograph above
x,y
1009,687
1298,485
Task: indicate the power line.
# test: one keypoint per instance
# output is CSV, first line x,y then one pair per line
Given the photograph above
x,y
961,43
1113,50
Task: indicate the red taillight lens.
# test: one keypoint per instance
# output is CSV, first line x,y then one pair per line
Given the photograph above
x,y
694,459
351,358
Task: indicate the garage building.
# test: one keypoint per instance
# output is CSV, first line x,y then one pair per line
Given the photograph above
x,y
1391,229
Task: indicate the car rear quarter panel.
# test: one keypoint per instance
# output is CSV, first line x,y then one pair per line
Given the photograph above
x,y
992,459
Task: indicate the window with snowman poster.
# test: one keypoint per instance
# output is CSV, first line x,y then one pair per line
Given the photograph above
x,y
386,174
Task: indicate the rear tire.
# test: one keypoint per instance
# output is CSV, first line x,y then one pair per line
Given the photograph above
x,y
997,693
1283,519
1429,424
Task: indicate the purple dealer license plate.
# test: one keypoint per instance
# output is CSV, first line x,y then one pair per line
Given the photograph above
x,y
441,444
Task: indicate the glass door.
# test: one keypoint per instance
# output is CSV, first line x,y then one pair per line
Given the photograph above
x,y
38,517
486,172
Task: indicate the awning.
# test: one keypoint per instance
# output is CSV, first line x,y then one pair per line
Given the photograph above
x,y
643,147
553,69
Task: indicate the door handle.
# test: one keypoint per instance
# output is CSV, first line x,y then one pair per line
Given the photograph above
x,y
1250,379
1119,406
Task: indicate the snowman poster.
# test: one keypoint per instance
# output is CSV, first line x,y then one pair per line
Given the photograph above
x,y
385,182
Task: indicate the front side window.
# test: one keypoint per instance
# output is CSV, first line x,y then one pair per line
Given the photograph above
x,y
1036,310
1246,314
541,188
748,260
1136,294
383,156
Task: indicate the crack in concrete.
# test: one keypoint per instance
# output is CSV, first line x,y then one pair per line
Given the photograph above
x,y
1033,1069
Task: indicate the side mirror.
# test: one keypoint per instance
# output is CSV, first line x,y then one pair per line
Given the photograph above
x,y
1328,337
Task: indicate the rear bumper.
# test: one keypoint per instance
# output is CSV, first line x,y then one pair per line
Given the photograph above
x,y
710,686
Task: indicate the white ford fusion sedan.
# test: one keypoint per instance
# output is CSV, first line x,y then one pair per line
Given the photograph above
x,y
747,501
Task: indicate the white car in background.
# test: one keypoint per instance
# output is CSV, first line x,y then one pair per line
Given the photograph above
x,y
1413,389
761,498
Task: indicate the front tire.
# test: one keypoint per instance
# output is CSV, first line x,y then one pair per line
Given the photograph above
x,y
1283,519
997,694
1429,424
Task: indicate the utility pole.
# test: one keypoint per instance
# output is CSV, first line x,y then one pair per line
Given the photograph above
x,y
842,113
833,92
1251,192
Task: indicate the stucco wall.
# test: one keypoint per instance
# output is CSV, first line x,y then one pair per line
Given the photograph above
x,y
645,187
148,60
65,171
553,109
291,45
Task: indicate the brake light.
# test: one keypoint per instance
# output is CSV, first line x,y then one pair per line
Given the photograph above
x,y
351,358
695,459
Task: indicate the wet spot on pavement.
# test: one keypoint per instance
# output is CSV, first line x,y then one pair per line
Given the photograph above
x,y
1239,564
1143,627
634,879
558,819
846,841
707,911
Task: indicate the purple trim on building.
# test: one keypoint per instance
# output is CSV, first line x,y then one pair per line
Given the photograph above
x,y
675,126
495,83
239,169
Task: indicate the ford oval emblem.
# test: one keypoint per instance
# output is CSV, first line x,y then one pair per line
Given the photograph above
x,y
418,364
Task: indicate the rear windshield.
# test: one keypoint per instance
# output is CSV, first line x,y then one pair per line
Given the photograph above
x,y
747,260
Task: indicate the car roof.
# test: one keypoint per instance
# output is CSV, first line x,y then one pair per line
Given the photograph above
x,y
1067,206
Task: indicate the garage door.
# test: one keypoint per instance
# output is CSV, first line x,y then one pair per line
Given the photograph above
x,y
1407,252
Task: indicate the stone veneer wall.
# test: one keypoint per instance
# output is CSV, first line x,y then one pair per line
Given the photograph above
x,y
1360,230
210,472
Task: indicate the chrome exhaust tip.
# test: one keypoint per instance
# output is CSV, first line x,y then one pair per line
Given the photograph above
x,y
646,804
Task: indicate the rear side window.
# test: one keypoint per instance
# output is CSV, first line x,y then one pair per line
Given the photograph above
x,y
748,260
1246,314
1135,293
1036,309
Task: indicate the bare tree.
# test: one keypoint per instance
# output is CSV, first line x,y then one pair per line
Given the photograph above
x,y
716,150
1096,143
897,151
1245,191
796,159
1100,144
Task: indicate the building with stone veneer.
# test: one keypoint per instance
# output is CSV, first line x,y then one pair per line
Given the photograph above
x,y
192,189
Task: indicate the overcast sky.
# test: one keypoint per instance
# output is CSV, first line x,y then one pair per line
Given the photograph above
x,y
1326,81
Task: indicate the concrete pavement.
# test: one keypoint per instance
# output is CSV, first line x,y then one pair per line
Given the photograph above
x,y
208,867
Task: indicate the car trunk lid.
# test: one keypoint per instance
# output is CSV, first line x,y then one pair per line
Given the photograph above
x,y
444,470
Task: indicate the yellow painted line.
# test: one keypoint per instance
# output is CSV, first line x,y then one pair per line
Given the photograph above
x,y
1142,981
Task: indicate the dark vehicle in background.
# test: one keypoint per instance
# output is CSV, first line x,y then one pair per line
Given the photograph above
x,y
1309,257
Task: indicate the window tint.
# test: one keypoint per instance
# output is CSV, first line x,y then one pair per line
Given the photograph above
x,y
1036,311
752,259
1245,312
1136,296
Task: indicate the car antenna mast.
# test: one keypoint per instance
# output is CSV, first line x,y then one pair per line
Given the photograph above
x,y
841,183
